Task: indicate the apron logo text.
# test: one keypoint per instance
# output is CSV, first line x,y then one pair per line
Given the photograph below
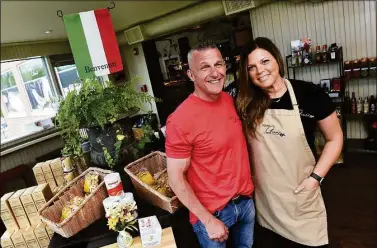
x,y
270,129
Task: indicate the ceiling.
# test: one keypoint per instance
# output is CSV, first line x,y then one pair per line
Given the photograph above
x,y
23,21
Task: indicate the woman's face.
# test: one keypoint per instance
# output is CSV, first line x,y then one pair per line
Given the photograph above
x,y
263,68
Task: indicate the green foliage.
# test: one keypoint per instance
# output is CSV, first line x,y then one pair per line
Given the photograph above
x,y
7,80
95,105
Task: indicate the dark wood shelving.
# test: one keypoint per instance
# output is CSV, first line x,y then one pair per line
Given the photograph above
x,y
360,78
358,146
316,64
360,116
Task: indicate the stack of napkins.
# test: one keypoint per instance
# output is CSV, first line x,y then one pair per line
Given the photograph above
x,y
150,231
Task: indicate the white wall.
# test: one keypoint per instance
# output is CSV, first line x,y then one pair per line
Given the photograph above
x,y
137,66
351,24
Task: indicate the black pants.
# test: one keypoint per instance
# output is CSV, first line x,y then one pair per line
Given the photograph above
x,y
265,238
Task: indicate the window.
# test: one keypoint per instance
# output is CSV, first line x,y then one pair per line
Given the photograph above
x,y
37,83
27,97
67,77
10,95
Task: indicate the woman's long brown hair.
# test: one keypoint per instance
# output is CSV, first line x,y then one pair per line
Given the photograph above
x,y
252,102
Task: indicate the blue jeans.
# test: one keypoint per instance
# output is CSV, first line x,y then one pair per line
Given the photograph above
x,y
239,219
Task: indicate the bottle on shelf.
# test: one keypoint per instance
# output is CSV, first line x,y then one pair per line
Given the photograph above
x,y
324,54
372,105
318,56
356,68
360,105
353,104
347,103
366,105
333,51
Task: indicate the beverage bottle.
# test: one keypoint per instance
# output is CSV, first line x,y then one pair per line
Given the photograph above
x,y
353,104
347,103
366,105
360,105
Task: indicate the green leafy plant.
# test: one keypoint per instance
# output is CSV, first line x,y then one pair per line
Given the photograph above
x,y
94,104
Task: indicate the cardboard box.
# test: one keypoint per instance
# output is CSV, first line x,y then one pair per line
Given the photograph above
x,y
47,172
7,216
18,239
6,241
18,209
150,231
29,237
38,173
42,236
41,195
57,167
59,180
29,206
49,231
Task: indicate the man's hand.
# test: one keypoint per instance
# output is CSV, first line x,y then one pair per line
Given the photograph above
x,y
216,230
308,184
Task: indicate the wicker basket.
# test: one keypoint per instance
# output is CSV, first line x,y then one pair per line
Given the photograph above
x,y
89,211
154,162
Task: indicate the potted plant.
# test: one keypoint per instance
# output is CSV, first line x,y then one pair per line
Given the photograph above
x,y
102,111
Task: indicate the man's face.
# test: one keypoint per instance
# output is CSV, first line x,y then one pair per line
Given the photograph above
x,y
207,70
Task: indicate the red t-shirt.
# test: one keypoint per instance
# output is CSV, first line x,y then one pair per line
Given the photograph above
x,y
210,133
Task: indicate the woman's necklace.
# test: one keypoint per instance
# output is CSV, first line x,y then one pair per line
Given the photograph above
x,y
276,100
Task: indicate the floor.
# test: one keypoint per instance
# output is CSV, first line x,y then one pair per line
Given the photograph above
x,y
350,193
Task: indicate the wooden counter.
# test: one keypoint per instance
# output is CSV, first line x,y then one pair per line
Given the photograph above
x,y
167,241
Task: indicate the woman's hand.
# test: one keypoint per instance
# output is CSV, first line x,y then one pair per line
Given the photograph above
x,y
308,184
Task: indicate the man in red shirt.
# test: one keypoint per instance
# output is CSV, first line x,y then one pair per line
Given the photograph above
x,y
208,162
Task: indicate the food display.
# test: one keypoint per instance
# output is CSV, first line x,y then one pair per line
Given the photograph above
x,y
158,182
145,176
90,183
70,207
114,184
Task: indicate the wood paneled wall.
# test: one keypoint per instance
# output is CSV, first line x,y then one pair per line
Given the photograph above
x,y
351,24
28,154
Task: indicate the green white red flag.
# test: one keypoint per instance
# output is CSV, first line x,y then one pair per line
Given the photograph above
x,y
93,43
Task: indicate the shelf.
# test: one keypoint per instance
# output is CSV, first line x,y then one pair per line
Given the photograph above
x,y
360,78
360,116
357,146
315,64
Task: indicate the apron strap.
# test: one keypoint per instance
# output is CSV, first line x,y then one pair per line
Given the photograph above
x,y
292,95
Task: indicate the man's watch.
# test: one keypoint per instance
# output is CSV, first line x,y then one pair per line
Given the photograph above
x,y
318,178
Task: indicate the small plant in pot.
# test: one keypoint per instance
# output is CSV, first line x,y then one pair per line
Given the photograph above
x,y
103,112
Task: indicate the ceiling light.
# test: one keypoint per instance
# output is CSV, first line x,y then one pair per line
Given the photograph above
x,y
48,31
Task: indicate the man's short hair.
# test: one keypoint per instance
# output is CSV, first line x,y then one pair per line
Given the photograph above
x,y
201,46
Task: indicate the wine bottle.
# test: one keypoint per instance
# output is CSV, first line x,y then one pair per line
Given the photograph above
x,y
347,103
353,104
366,105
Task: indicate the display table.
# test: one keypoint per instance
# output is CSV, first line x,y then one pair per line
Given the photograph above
x,y
167,241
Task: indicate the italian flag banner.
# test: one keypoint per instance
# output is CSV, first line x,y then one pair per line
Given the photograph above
x,y
93,43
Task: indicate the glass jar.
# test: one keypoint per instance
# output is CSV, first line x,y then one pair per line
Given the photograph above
x,y
372,67
124,239
364,67
347,69
356,68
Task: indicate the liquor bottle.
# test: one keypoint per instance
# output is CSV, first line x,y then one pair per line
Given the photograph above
x,y
353,104
347,103
333,52
360,105
318,56
372,104
366,105
324,53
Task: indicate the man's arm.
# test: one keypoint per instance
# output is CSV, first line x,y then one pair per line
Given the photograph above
x,y
177,169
